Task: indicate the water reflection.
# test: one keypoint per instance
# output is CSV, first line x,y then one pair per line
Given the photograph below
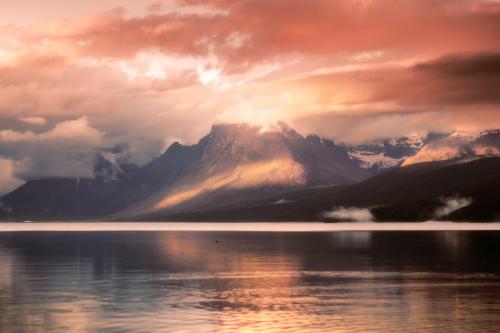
x,y
249,282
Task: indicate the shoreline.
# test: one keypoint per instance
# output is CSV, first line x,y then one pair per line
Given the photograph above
x,y
98,226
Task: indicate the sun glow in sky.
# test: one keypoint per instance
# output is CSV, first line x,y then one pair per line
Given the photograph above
x,y
139,73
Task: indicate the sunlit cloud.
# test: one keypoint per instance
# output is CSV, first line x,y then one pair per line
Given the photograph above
x,y
142,73
450,205
349,214
78,129
33,120
207,76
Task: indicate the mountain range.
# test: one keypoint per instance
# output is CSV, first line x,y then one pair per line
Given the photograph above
x,y
244,172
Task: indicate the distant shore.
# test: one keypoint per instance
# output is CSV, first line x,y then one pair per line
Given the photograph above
x,y
245,226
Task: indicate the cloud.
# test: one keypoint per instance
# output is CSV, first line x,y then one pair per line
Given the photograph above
x,y
53,161
8,181
463,65
456,79
141,110
349,214
355,129
66,150
450,205
37,121
348,69
282,201
277,28
77,129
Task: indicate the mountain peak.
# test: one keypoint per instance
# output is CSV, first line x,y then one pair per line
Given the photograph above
x,y
230,131
459,145
235,162
240,156
232,128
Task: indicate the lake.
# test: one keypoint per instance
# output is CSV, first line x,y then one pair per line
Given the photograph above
x,y
227,278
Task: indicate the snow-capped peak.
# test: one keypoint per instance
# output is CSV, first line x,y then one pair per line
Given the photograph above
x,y
412,141
384,154
459,145
465,135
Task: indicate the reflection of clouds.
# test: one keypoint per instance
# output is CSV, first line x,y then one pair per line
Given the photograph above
x,y
465,300
236,289
452,242
6,271
36,298
353,240
207,253
69,316
245,282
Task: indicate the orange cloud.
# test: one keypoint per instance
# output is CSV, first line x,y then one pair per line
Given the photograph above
x,y
380,67
242,33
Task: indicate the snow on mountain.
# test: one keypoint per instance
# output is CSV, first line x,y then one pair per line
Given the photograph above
x,y
459,145
407,142
371,160
384,154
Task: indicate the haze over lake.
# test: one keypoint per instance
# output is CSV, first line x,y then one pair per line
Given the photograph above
x,y
232,280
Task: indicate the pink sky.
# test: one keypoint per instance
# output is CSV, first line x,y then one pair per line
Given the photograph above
x,y
148,74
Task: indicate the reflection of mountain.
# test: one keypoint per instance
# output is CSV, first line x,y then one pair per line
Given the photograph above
x,y
241,168
185,281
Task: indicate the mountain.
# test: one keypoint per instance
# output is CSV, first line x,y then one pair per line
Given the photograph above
x,y
233,163
60,198
459,145
239,172
385,154
244,159
389,153
75,198
446,190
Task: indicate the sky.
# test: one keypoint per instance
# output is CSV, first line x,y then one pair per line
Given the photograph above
x,y
79,77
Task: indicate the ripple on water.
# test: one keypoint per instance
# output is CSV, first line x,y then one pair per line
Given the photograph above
x,y
293,282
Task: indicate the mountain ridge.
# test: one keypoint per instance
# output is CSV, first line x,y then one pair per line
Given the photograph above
x,y
413,193
231,156
233,165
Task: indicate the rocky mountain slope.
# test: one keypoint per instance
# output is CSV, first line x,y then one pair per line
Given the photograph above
x,y
446,190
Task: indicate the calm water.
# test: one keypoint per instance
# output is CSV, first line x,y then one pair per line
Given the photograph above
x,y
180,281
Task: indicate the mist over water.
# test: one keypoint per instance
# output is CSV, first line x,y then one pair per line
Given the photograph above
x,y
236,281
